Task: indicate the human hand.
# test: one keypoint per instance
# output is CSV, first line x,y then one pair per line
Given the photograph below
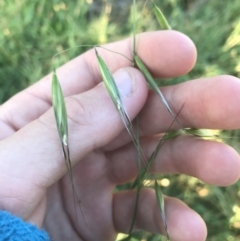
x,y
103,156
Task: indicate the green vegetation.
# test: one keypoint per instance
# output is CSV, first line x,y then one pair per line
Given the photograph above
x,y
33,31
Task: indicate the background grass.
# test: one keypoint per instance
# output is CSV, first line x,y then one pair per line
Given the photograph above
x,y
33,31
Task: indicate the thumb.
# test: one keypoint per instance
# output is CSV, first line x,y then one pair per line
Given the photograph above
x,y
34,153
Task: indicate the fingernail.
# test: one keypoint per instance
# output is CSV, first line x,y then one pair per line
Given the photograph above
x,y
125,82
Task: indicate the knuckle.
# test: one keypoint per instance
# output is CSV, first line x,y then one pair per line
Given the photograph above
x,y
78,113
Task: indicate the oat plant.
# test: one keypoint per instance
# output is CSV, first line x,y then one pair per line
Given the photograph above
x,y
143,165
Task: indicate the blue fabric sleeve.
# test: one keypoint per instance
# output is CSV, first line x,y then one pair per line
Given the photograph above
x,y
13,228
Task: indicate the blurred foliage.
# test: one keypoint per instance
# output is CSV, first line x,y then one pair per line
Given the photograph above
x,y
31,32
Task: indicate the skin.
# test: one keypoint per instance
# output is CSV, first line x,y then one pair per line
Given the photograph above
x,y
38,188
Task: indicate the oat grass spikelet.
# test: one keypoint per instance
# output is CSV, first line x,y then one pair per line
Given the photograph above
x,y
62,127
161,18
114,94
160,202
153,85
61,119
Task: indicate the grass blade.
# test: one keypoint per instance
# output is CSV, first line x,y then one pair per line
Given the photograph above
x,y
161,18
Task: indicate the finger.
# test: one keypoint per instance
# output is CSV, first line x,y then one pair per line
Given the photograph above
x,y
178,55
93,121
207,103
212,162
183,223
204,103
